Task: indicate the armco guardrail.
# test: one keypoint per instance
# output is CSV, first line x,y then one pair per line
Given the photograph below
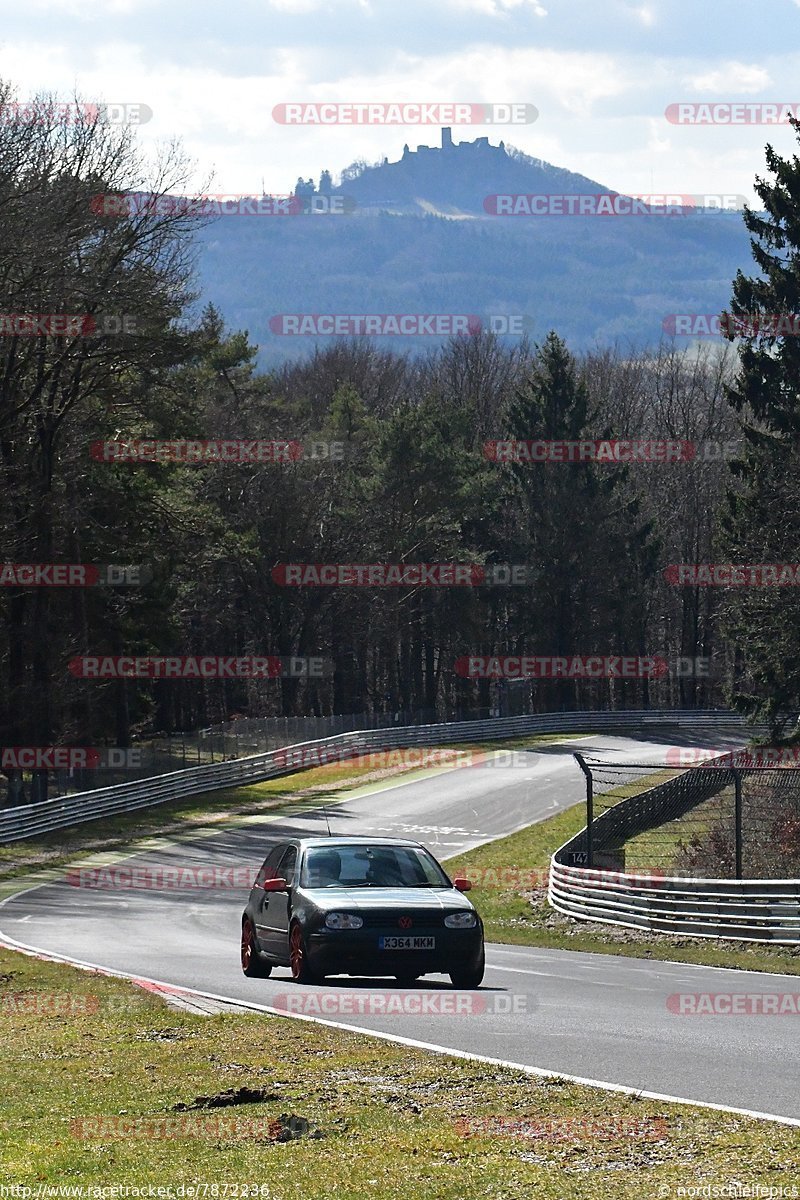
x,y
753,910
46,816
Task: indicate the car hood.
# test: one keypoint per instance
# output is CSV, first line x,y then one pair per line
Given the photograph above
x,y
375,899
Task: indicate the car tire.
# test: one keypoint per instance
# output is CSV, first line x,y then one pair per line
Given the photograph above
x,y
298,957
470,977
254,965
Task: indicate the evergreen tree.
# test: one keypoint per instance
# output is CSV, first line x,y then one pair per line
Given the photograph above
x,y
593,558
762,523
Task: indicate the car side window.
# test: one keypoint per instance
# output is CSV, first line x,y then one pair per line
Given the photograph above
x,y
288,866
270,863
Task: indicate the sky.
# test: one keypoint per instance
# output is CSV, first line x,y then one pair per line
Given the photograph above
x,y
600,73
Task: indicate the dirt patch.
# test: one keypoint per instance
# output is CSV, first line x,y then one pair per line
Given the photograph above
x,y
163,1035
228,1099
293,1127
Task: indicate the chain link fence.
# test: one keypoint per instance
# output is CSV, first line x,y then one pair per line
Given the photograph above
x,y
708,822
152,755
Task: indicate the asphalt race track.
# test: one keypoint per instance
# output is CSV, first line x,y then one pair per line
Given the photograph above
x,y
595,1017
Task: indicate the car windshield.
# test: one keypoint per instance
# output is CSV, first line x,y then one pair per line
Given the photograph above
x,y
371,866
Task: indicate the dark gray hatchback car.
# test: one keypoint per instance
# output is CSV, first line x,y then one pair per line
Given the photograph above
x,y
360,906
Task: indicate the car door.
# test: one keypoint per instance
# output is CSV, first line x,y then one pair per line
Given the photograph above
x,y
259,898
277,909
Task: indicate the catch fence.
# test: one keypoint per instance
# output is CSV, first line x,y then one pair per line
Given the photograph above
x,y
712,850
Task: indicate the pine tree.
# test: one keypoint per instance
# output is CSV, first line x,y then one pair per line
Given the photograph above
x,y
762,524
593,556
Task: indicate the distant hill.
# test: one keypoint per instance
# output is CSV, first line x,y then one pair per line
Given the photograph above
x,y
455,178
417,239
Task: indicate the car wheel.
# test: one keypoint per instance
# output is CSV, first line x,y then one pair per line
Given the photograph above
x,y
470,977
407,978
253,965
298,957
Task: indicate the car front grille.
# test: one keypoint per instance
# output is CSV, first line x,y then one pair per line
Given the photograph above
x,y
420,921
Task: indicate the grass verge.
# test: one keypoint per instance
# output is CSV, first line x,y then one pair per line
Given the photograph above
x,y
510,892
314,1112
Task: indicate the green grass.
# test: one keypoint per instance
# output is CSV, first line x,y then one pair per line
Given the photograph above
x,y
393,1123
513,904
699,822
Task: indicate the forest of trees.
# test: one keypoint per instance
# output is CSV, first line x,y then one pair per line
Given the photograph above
x,y
413,485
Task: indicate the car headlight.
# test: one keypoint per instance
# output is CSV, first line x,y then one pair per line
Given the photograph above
x,y
461,920
337,920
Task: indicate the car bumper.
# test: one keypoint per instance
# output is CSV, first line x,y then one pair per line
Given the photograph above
x,y
356,952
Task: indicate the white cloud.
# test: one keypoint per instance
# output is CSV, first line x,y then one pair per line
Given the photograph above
x,y
732,77
646,14
96,13
296,6
494,8
600,84
301,7
225,120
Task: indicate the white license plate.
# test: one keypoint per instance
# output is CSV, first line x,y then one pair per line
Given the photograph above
x,y
407,943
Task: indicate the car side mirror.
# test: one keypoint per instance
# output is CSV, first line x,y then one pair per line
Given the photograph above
x,y
275,885
462,885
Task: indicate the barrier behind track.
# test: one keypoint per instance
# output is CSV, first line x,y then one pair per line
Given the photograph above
x,y
759,910
46,816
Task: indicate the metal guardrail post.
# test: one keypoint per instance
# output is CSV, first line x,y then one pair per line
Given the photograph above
x,y
589,808
737,808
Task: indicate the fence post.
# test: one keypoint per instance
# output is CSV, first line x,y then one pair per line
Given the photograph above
x,y
737,791
589,808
